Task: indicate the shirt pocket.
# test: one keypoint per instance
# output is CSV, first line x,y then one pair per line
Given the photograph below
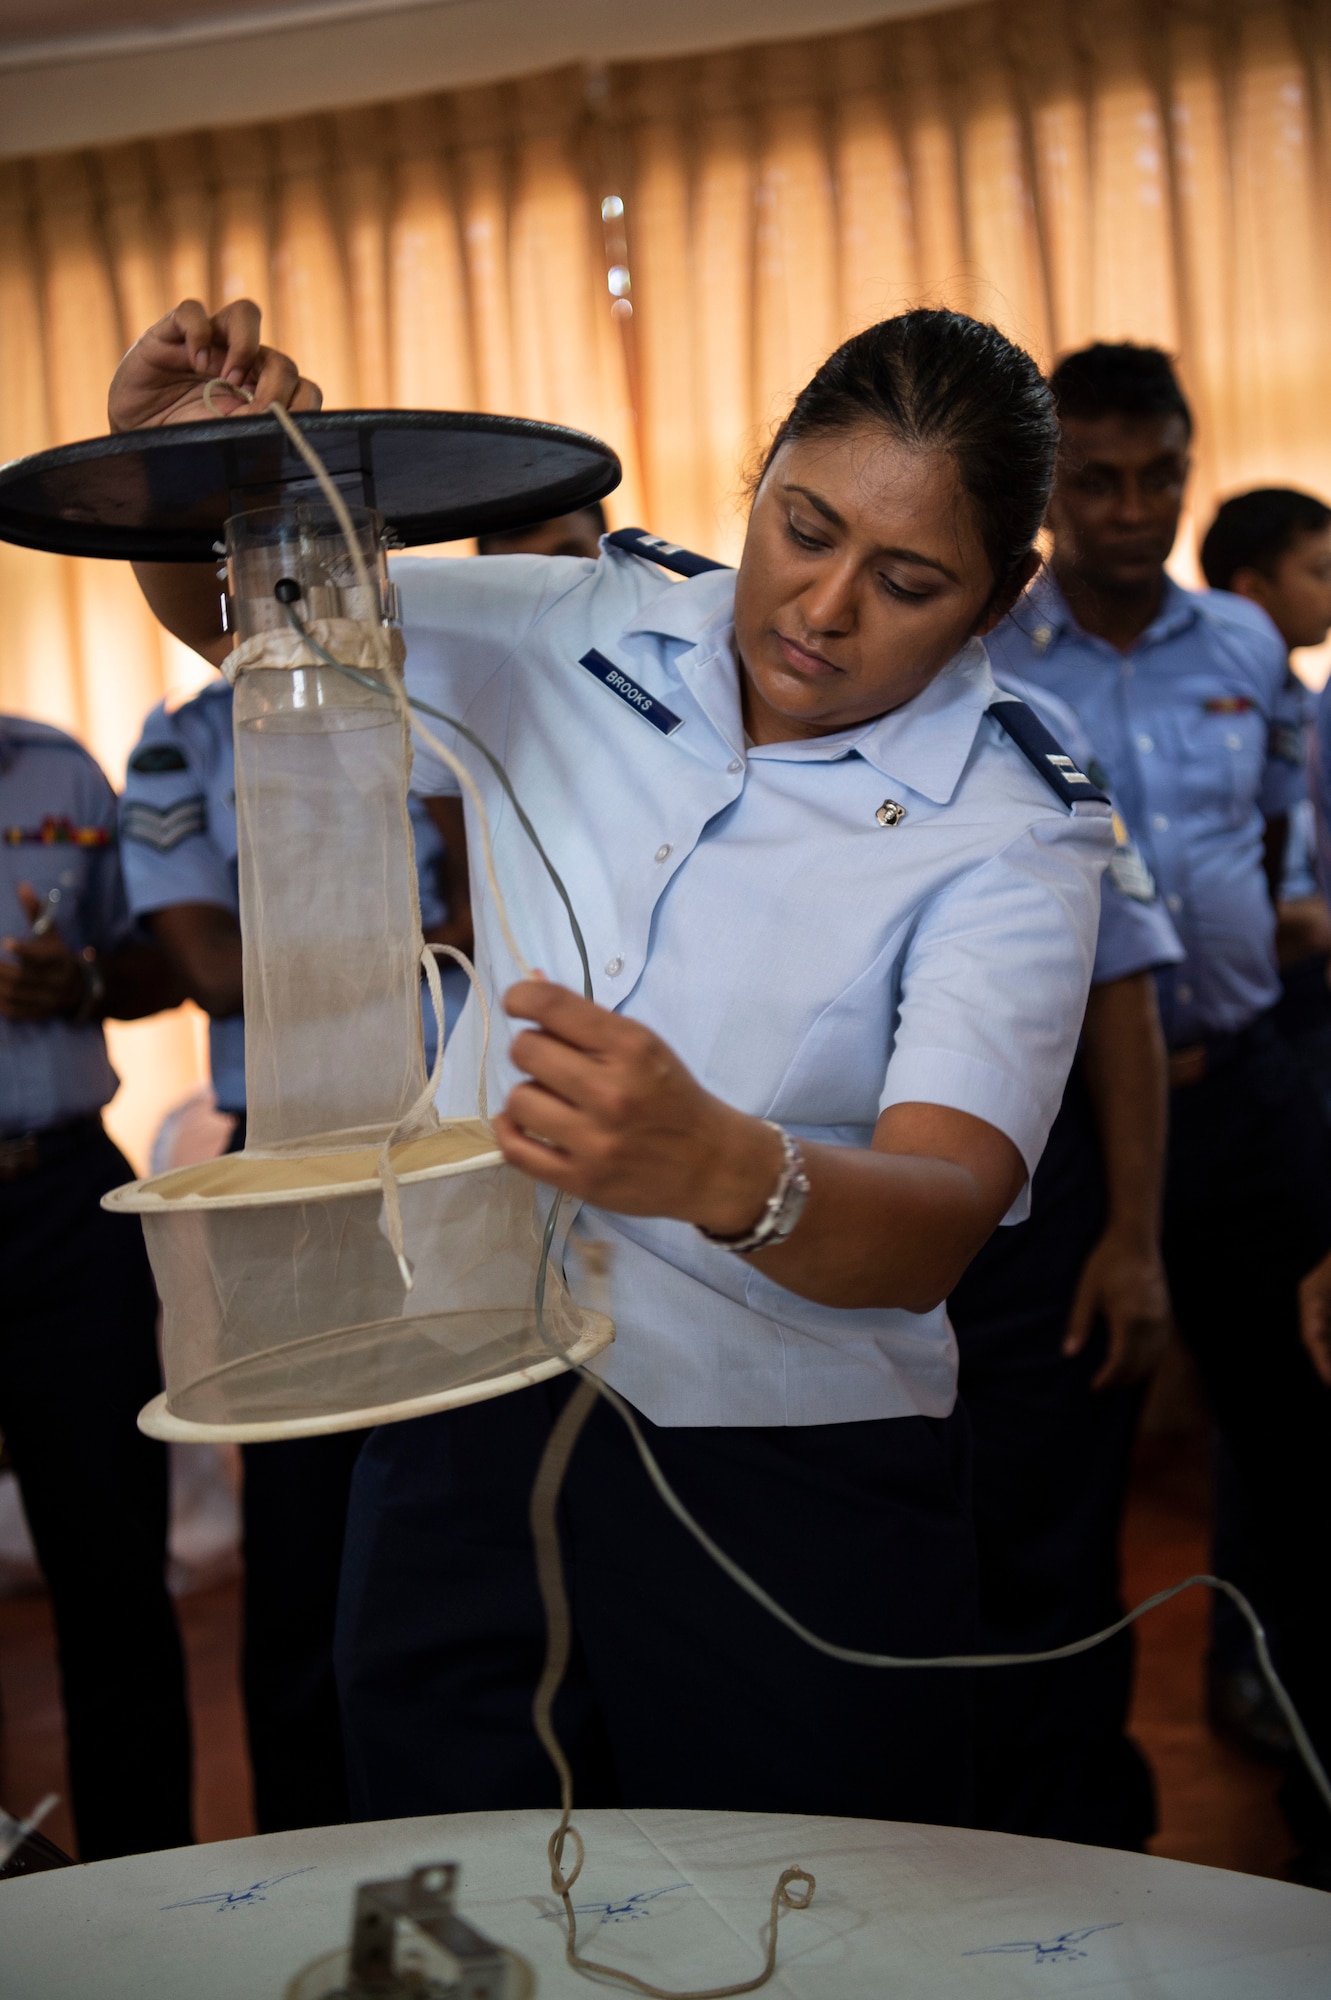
x,y
1223,754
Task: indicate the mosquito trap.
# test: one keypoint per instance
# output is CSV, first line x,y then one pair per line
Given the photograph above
x,y
361,1260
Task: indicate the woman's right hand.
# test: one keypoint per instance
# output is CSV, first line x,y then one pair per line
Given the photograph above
x,y
161,380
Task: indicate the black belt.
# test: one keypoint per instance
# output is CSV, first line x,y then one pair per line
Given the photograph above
x,y
1211,1053
24,1153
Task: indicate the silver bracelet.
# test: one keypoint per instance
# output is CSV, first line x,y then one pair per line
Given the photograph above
x,y
783,1208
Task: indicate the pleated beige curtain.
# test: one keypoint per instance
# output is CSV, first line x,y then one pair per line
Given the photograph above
x,y
1073,169
1069,168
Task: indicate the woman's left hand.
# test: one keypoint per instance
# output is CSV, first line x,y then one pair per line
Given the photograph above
x,y
611,1115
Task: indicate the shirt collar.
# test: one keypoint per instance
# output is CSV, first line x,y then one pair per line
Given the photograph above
x,y
1043,615
924,745
686,610
1178,610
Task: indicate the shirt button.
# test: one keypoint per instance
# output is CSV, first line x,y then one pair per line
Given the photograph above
x,y
613,967
1145,743
664,851
1173,904
1160,822
1183,993
734,765
1234,740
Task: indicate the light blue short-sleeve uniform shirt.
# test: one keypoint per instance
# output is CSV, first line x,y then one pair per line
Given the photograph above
x,y
808,962
1197,729
1135,933
57,834
178,837
1320,774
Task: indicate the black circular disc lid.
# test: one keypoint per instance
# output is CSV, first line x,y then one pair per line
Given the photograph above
x,y
163,495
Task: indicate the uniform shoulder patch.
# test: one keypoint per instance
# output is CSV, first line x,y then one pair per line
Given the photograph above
x,y
155,757
163,827
668,554
1045,753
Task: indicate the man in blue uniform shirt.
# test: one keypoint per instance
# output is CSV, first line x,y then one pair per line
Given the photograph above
x,y
78,1331
1186,700
178,827
1060,1322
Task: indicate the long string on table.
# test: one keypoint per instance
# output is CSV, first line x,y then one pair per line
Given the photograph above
x,y
559,1630
564,1434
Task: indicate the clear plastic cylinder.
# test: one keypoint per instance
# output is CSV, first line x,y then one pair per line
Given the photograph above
x,y
328,900
302,542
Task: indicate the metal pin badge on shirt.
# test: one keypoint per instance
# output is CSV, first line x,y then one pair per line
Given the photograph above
x,y
890,813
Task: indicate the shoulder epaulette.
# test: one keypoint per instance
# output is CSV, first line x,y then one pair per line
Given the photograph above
x,y
670,556
153,759
25,734
1045,752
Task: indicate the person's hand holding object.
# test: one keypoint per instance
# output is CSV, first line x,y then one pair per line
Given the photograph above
x,y
162,378
42,979
611,1115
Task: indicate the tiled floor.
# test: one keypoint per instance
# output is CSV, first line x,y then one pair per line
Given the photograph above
x,y
1215,1806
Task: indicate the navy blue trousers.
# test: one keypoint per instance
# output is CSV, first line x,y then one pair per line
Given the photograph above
x,y
1247,1214
293,1511
681,1691
1051,1465
78,1360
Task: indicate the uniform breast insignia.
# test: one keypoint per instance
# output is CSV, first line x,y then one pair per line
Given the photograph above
x,y
890,813
634,697
1228,704
57,832
1044,752
156,757
163,827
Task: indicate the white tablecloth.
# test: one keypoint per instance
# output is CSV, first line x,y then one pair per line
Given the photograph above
x,y
901,1912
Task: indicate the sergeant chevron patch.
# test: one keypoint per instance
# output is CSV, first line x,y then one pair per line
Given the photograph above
x,y
163,827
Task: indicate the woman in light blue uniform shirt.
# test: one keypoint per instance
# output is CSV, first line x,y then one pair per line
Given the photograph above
x,y
841,911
